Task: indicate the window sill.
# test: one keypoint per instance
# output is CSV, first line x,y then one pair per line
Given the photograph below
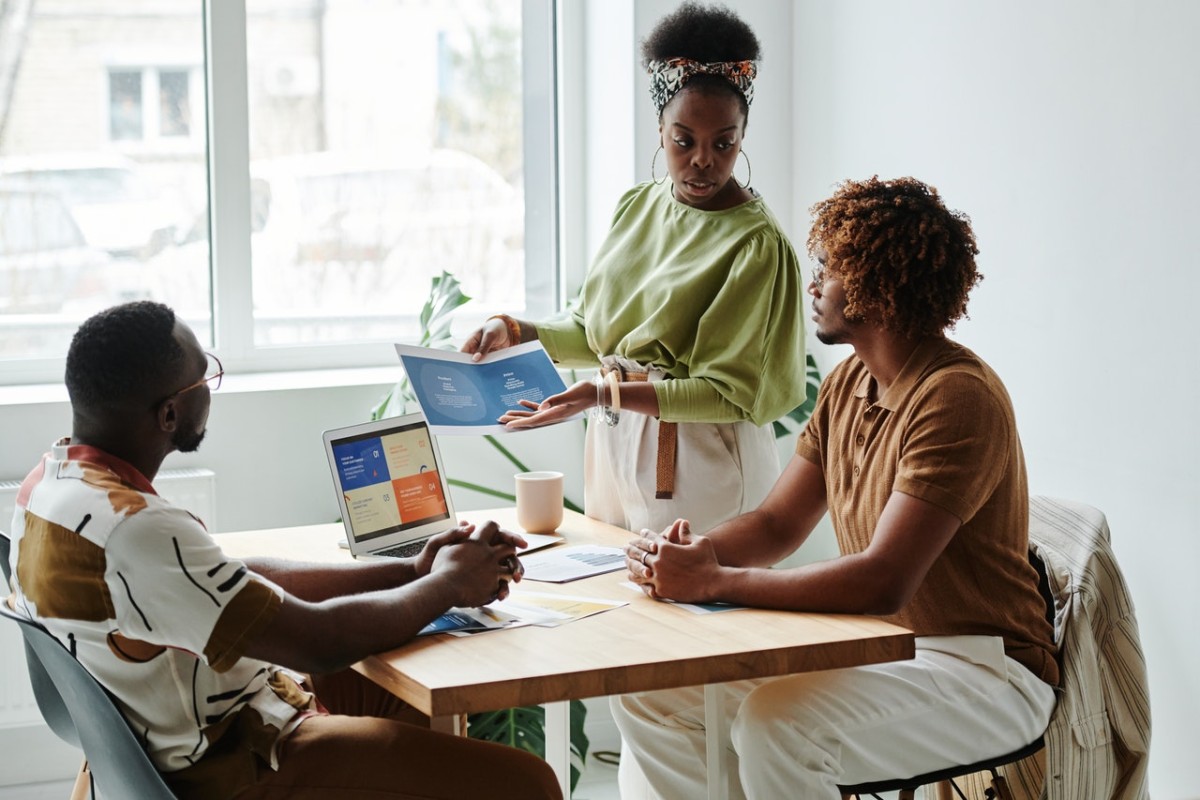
x,y
248,383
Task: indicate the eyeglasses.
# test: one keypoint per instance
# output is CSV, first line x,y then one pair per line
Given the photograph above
x,y
213,379
818,275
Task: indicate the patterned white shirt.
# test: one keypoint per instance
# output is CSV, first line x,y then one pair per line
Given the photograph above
x,y
142,595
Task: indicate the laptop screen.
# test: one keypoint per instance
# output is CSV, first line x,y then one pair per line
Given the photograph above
x,y
389,479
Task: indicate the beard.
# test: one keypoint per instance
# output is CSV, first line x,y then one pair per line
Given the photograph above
x,y
188,441
830,336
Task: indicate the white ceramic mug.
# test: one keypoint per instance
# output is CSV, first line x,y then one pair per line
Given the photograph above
x,y
539,501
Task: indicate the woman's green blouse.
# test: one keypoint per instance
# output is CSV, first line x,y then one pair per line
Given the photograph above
x,y
714,298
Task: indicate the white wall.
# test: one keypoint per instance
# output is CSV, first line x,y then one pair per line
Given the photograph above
x,y
1069,132
1066,130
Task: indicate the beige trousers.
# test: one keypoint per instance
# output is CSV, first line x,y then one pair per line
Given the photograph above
x,y
960,700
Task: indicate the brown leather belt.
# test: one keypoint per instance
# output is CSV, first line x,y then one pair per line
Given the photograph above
x,y
664,471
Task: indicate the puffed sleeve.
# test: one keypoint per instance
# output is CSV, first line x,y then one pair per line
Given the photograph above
x,y
748,359
565,339
565,336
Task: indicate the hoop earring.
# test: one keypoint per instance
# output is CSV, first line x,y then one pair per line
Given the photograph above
x,y
749,172
653,163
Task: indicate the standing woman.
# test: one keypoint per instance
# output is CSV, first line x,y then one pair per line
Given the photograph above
x,y
692,307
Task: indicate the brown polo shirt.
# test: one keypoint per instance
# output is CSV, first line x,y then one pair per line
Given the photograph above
x,y
943,432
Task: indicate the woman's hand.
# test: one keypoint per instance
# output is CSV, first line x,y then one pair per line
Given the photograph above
x,y
494,334
579,397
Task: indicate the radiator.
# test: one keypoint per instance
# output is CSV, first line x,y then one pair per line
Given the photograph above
x,y
193,489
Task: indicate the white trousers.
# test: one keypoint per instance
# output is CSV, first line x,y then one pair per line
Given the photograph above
x,y
721,470
959,701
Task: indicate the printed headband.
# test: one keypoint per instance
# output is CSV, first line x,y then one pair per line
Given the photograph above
x,y
668,77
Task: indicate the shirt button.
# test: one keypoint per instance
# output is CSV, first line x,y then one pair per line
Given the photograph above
x,y
856,471
860,439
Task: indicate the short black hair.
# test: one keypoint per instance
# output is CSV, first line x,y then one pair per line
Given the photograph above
x,y
707,34
122,356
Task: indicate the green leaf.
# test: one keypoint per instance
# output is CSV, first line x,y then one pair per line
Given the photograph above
x,y
801,413
475,487
524,727
521,727
504,451
445,295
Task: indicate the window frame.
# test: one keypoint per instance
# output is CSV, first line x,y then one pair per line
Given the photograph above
x,y
229,166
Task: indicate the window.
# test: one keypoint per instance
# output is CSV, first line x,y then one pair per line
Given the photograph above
x,y
384,143
165,118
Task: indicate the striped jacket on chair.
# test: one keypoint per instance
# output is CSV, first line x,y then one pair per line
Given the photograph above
x,y
1098,741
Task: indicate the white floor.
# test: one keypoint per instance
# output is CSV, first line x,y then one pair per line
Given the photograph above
x,y
598,782
41,791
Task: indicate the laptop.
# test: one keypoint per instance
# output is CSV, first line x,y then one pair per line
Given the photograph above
x,y
391,487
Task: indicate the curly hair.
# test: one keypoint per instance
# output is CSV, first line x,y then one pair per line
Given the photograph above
x,y
903,257
123,356
705,34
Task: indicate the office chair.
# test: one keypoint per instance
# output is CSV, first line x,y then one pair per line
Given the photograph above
x,y
998,790
82,714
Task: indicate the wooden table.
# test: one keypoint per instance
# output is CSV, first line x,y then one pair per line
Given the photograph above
x,y
640,647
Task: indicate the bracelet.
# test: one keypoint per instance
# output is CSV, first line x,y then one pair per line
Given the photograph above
x,y
514,327
598,382
612,413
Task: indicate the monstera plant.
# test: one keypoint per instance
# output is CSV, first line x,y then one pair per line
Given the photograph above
x,y
522,727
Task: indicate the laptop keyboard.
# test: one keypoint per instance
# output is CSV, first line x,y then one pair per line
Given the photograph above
x,y
402,550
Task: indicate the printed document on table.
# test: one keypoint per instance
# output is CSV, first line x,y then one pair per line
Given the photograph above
x,y
549,610
518,609
562,564
465,621
695,608
461,396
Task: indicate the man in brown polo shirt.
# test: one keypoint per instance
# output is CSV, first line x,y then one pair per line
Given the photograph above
x,y
913,450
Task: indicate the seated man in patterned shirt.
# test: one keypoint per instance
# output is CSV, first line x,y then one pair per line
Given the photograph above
x,y
234,672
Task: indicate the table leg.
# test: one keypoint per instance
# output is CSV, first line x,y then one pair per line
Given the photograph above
x,y
558,742
716,744
453,724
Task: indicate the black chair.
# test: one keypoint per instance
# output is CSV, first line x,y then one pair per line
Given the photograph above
x,y
82,714
906,787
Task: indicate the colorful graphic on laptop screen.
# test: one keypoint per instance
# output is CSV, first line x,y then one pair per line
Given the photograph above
x,y
390,482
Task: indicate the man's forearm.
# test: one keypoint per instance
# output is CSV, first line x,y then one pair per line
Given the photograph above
x,y
839,586
781,523
758,539
316,582
328,635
